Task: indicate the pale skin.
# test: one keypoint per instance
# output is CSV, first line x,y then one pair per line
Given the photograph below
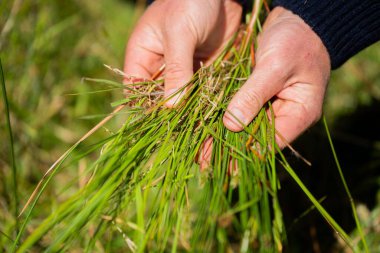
x,y
292,64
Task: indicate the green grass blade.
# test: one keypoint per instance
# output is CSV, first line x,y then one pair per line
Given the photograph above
x,y
12,152
352,203
316,203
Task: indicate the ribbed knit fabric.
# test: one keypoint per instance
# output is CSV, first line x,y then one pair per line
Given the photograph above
x,y
345,26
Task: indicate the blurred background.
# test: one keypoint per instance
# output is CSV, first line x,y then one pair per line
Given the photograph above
x,y
48,47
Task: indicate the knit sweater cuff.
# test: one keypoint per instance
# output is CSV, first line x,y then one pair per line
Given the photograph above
x,y
344,26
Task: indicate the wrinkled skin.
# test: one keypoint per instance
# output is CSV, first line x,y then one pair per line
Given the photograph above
x,y
180,34
292,64
293,68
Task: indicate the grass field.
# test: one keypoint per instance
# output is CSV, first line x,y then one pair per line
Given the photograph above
x,y
47,47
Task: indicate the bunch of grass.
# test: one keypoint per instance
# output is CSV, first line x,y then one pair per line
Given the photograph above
x,y
147,193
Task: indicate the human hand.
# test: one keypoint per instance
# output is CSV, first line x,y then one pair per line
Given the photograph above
x,y
293,69
180,34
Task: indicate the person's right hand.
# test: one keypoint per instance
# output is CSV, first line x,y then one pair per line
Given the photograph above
x,y
179,34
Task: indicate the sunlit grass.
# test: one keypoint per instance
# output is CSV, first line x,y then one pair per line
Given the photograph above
x,y
46,122
147,186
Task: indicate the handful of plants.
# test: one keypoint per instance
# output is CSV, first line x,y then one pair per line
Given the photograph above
x,y
146,191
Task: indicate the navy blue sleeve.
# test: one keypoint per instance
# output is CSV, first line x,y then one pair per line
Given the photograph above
x,y
345,26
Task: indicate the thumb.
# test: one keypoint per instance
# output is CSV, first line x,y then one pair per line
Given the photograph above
x,y
179,52
265,82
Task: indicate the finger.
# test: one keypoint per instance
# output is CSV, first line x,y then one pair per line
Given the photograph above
x,y
292,118
179,47
205,153
233,168
266,81
204,158
140,61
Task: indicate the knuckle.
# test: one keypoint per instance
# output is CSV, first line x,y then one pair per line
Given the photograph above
x,y
173,28
178,18
186,29
174,68
276,67
250,100
174,71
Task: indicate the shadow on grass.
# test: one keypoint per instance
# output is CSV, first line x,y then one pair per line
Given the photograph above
x,y
356,138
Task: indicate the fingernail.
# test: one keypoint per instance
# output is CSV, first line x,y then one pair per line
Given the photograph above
x,y
174,97
236,118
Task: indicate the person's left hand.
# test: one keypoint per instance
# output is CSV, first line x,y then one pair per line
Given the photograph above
x,y
293,69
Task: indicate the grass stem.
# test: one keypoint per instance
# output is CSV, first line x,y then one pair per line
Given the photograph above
x,y
12,152
352,203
